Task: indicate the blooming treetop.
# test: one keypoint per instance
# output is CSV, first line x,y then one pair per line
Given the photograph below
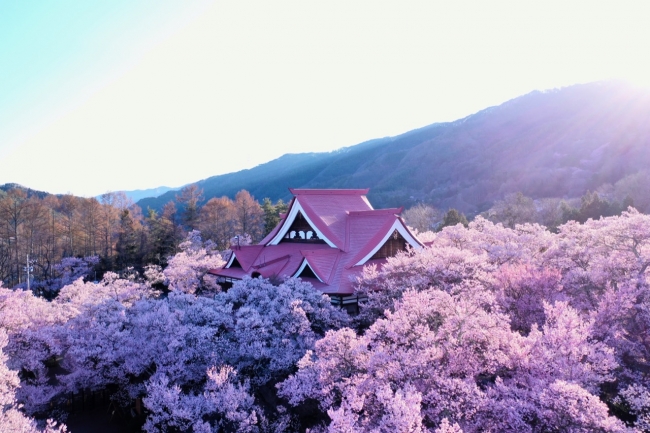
x,y
487,329
187,270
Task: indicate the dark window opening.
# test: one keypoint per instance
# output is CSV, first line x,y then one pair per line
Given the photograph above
x,y
301,231
391,247
256,274
235,264
307,273
348,303
226,282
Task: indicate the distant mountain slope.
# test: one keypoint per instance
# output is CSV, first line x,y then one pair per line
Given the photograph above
x,y
30,192
557,143
139,194
337,169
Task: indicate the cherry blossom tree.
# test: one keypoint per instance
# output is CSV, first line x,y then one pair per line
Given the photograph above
x,y
446,268
486,329
165,345
599,253
449,357
637,399
69,270
224,405
12,419
29,324
39,329
121,346
457,256
521,291
188,270
567,407
263,330
433,348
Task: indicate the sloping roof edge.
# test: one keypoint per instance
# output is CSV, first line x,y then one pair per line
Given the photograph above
x,y
303,265
321,227
245,255
300,191
273,232
324,272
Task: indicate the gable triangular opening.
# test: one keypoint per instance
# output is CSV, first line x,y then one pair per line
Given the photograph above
x,y
301,231
307,273
394,244
235,263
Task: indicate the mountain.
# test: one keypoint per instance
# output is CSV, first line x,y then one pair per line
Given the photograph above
x,y
134,195
556,143
30,192
139,194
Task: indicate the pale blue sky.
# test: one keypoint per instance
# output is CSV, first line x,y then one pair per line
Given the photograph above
x,y
98,95
53,55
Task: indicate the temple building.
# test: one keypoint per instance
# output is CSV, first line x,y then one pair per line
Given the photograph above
x,y
326,238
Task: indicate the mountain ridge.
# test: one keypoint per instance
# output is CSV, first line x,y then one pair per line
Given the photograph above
x,y
553,143
139,194
292,170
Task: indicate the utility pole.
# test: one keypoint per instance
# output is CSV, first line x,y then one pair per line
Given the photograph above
x,y
29,269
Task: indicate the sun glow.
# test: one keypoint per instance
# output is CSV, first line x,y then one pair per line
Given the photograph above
x,y
245,82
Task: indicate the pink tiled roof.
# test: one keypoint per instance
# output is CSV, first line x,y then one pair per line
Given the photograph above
x,y
366,232
329,208
345,217
274,268
237,273
323,261
246,255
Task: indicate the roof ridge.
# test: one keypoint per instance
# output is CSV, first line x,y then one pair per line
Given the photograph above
x,y
347,232
306,191
335,267
390,210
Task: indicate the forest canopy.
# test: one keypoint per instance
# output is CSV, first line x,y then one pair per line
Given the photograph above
x,y
489,328
60,235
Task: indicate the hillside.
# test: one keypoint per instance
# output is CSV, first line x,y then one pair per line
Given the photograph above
x,y
557,143
139,194
30,192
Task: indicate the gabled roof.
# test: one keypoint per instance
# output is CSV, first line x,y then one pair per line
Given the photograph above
x,y
332,206
352,232
245,255
322,262
273,267
312,218
303,265
380,236
326,211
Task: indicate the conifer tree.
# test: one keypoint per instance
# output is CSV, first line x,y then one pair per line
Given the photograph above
x,y
452,218
127,242
189,198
